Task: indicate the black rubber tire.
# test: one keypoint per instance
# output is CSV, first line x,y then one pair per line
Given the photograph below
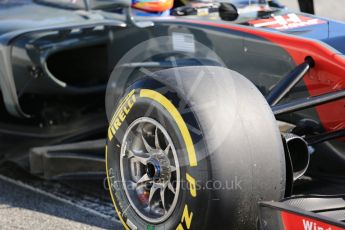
x,y
236,141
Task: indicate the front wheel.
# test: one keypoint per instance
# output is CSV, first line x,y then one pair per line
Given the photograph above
x,y
193,148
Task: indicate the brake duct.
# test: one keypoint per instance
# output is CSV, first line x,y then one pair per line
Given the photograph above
x,y
297,158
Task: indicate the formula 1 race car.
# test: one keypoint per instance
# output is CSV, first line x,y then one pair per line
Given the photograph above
x,y
229,117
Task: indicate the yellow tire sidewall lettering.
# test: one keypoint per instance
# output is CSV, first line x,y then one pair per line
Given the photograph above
x,y
178,119
111,194
186,218
120,114
119,117
192,185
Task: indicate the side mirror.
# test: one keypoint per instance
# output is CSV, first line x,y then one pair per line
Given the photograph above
x,y
227,11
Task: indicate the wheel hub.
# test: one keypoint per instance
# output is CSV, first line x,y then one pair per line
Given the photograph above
x,y
150,170
158,167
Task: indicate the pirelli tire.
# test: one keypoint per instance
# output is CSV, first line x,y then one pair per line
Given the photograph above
x,y
227,145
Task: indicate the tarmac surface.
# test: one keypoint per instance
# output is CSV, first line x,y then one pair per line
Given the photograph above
x,y
22,208
28,202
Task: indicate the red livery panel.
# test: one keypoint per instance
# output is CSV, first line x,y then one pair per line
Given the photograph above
x,y
284,22
295,222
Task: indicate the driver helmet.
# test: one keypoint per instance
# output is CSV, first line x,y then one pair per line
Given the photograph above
x,y
152,7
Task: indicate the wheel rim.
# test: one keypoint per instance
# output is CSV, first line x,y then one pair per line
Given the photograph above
x,y
150,170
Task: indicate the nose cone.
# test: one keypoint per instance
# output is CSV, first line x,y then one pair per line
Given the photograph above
x,y
298,24
328,31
